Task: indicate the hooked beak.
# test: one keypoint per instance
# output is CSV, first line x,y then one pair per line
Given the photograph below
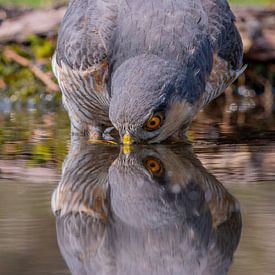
x,y
127,139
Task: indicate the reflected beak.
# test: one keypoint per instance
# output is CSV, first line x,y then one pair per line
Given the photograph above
x,y
127,139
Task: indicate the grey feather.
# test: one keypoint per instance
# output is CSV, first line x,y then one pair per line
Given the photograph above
x,y
224,35
227,46
86,32
111,61
81,63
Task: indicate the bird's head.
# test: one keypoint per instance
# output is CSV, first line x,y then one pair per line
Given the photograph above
x,y
152,98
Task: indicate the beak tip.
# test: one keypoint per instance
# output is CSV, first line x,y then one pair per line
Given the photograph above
x,y
127,140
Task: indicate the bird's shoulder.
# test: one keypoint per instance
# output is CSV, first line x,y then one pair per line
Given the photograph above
x,y
85,33
223,33
227,48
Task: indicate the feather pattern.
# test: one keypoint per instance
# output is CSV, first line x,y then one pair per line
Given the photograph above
x,y
81,62
98,36
227,49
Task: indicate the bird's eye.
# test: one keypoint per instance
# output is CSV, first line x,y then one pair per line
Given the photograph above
x,y
154,122
153,165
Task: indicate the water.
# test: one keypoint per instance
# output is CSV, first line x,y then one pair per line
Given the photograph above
x,y
166,209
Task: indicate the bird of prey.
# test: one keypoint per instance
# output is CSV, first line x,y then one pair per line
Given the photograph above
x,y
144,67
156,210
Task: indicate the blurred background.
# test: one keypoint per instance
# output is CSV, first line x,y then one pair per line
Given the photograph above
x,y
234,136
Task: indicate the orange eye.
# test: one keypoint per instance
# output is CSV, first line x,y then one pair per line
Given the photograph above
x,y
153,165
154,122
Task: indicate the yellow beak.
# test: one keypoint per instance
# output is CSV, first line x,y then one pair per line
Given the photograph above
x,y
127,139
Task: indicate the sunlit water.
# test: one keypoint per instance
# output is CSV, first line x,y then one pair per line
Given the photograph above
x,y
152,210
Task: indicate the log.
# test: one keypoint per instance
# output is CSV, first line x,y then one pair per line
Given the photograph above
x,y
256,25
7,12
257,29
40,22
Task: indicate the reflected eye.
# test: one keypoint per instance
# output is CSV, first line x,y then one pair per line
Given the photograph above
x,y
153,165
154,122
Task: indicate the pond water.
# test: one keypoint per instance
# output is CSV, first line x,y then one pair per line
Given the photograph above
x,y
162,209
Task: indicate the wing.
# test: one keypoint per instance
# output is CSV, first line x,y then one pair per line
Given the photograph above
x,y
85,34
227,45
81,61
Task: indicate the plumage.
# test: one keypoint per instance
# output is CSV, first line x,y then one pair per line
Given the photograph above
x,y
116,58
116,216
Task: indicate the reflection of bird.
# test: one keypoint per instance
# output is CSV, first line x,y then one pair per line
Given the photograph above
x,y
163,214
146,67
81,205
84,180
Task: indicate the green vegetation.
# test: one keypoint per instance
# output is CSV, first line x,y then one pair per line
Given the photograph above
x,y
20,83
32,3
251,2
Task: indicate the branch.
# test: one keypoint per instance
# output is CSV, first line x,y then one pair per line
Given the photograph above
x,y
44,77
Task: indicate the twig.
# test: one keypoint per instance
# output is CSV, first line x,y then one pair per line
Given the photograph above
x,y
44,77
2,84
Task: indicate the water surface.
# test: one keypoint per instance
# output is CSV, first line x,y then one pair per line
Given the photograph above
x,y
156,204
